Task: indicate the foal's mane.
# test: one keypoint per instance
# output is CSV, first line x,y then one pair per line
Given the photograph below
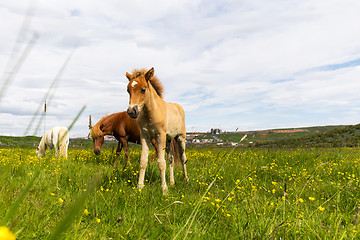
x,y
155,82
95,130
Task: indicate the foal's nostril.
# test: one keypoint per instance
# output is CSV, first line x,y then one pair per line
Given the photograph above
x,y
133,111
97,151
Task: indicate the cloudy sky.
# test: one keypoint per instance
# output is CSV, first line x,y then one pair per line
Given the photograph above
x,y
246,64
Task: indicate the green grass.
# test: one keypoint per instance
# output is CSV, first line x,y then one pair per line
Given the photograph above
x,y
245,201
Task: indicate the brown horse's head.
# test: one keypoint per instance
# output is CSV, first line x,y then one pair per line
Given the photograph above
x,y
97,134
139,91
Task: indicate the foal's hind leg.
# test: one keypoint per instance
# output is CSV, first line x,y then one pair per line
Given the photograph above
x,y
170,158
181,143
153,142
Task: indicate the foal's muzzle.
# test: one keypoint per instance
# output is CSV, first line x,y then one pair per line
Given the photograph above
x,y
133,112
97,151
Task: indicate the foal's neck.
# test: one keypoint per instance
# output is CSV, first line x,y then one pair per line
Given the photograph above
x,y
153,103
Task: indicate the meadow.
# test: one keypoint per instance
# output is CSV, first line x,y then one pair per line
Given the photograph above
x,y
233,193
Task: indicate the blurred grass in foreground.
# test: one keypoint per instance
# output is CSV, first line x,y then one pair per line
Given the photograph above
x,y
258,194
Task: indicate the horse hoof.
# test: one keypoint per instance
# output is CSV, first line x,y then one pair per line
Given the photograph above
x,y
165,189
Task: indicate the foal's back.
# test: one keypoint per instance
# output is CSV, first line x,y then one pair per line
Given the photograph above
x,y
57,134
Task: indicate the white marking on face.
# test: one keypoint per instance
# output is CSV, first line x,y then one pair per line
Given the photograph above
x,y
133,84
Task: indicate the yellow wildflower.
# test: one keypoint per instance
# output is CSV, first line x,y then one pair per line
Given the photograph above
x,y
61,200
217,200
321,208
98,220
311,198
86,212
6,234
301,200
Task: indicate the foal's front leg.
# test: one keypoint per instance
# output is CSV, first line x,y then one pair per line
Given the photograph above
x,y
143,161
161,160
118,151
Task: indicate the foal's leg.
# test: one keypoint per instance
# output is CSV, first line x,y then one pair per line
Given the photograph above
x,y
119,148
56,151
181,143
153,142
170,157
125,144
118,151
66,148
56,143
143,161
161,160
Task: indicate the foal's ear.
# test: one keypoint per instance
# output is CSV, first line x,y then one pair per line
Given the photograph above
x,y
149,74
128,75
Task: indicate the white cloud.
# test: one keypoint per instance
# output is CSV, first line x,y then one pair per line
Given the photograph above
x,y
247,64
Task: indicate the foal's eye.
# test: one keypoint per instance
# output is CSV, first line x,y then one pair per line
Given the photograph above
x,y
143,90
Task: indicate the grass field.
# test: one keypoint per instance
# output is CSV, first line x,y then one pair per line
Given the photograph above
x,y
232,194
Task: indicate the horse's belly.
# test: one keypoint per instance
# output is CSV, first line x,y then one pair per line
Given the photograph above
x,y
173,130
174,123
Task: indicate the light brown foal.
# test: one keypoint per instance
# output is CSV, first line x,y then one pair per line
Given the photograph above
x,y
157,120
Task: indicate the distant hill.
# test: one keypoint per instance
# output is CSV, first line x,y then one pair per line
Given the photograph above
x,y
321,136
33,142
335,136
19,142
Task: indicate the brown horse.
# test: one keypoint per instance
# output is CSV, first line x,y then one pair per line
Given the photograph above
x,y
123,128
157,119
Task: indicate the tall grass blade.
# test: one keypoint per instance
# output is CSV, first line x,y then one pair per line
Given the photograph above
x,y
14,207
13,66
195,210
11,75
72,124
48,95
69,218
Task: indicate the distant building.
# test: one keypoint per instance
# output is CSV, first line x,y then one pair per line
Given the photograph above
x,y
109,138
215,131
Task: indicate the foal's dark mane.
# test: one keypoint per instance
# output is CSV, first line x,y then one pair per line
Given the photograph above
x,y
155,82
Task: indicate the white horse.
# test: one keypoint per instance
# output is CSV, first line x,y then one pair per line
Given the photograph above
x,y
56,137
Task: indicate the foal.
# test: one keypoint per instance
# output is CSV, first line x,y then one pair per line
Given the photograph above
x,y
123,128
55,138
157,119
